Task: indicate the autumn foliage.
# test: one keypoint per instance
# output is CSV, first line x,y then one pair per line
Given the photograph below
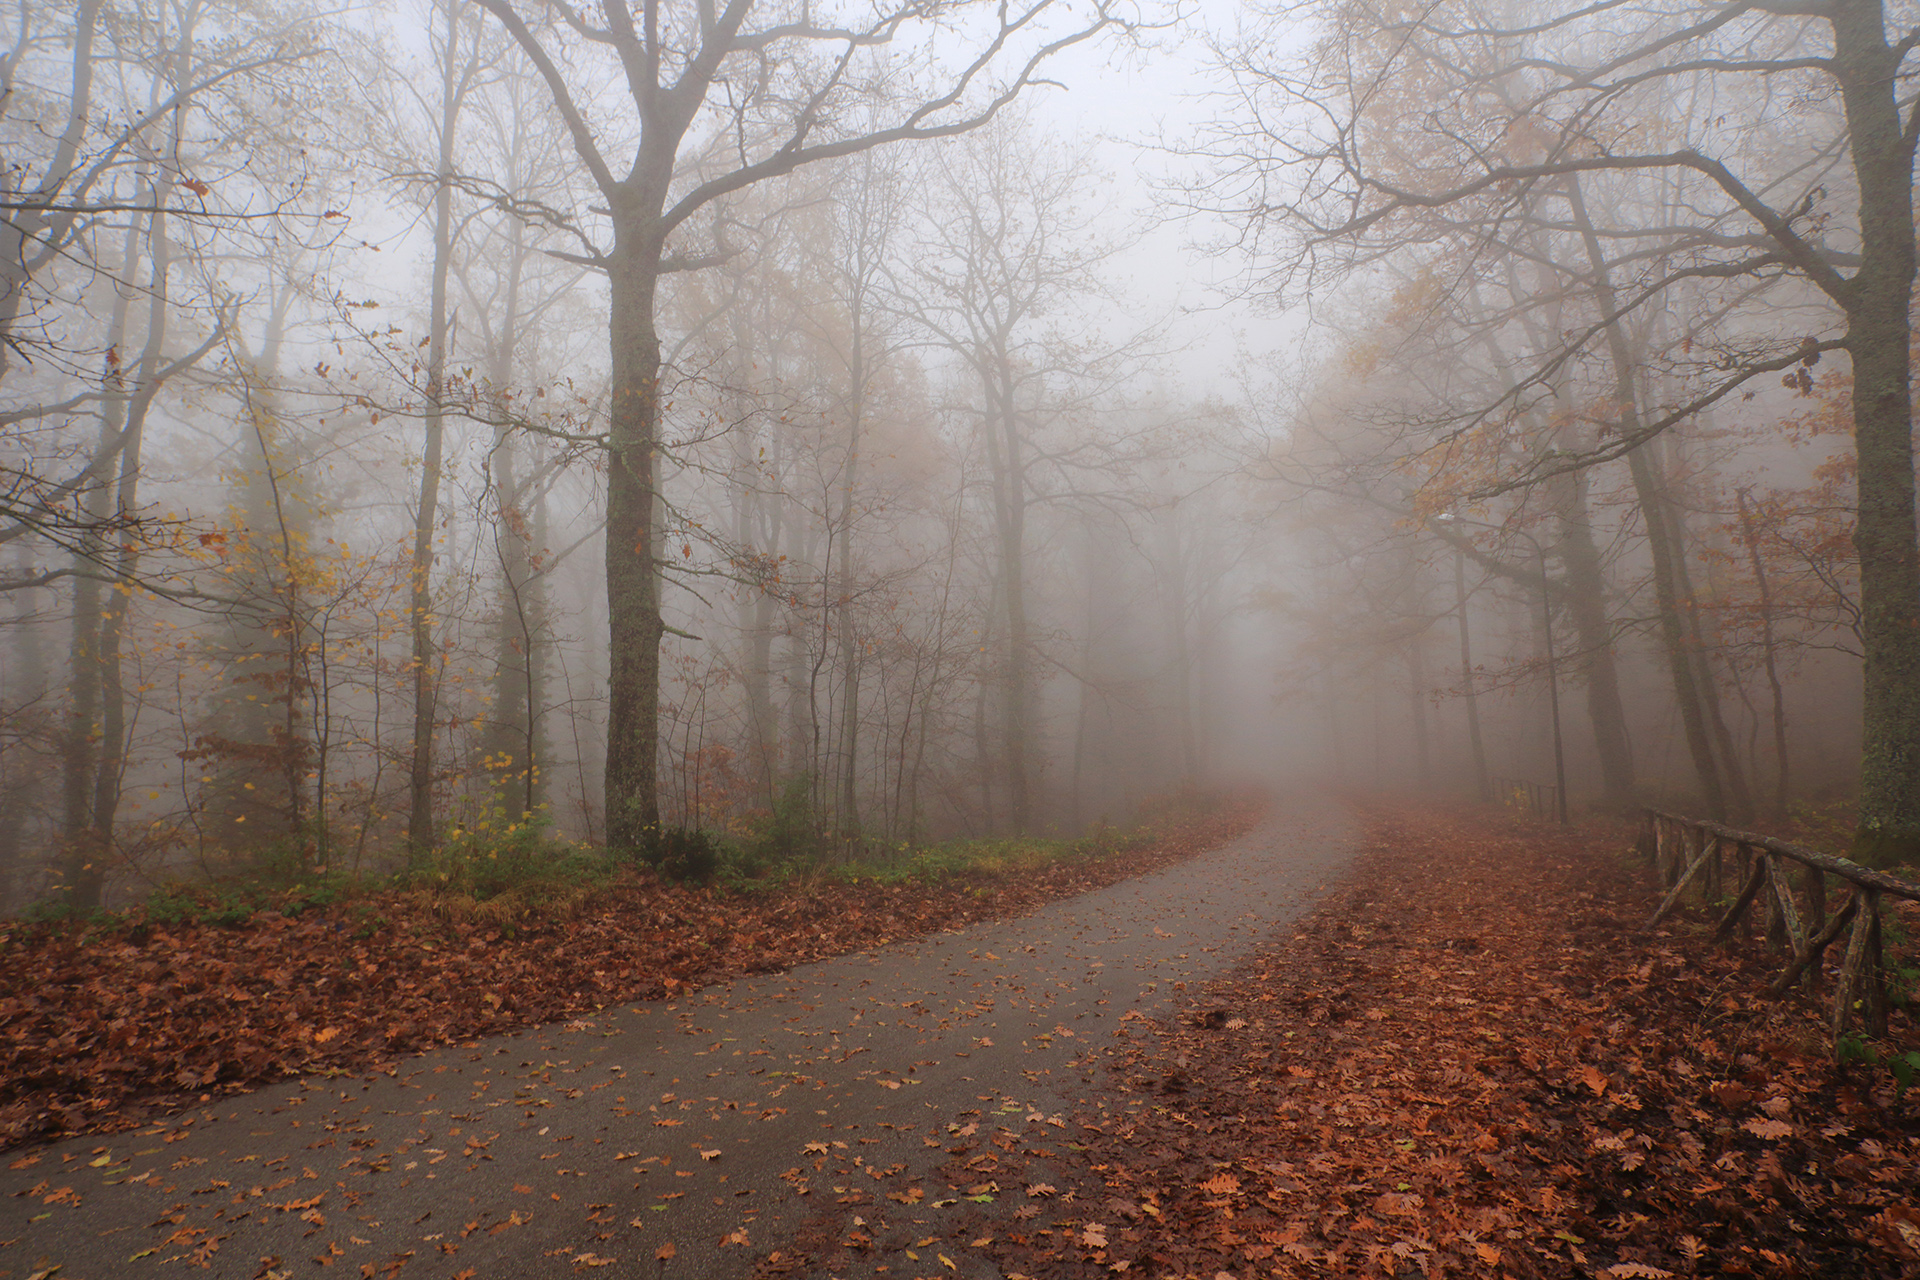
x,y
105,1025
1469,1063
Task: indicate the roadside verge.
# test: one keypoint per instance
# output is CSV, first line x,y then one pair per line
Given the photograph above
x,y
102,1029
1466,1061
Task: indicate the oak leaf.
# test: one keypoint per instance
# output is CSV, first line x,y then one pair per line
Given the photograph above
x,y
1770,1129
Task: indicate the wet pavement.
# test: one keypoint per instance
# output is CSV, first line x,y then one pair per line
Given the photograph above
x,y
704,1130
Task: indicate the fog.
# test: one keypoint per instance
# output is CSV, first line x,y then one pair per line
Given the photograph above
x,y
428,425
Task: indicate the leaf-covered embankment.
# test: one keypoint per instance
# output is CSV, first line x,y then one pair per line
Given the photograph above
x,y
1468,1062
101,1026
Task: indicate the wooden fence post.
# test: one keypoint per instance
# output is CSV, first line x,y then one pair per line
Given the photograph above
x,y
1752,878
1851,970
1793,881
1776,930
1796,936
1875,974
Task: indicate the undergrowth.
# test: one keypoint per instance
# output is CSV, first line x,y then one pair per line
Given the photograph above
x,y
509,875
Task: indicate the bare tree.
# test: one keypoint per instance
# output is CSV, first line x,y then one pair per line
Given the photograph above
x,y
723,98
1471,112
1011,249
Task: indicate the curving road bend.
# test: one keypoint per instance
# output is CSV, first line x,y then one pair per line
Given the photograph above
x,y
716,1125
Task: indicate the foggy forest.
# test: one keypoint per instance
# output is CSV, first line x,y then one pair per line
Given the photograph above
x,y
727,440
461,419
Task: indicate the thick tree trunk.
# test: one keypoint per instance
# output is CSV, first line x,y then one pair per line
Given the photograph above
x,y
1879,331
634,625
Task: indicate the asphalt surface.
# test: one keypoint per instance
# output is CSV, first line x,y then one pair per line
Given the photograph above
x,y
707,1130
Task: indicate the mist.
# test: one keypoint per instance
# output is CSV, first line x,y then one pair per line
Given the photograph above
x,y
425,426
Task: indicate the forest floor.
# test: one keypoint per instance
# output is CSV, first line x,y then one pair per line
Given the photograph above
x,y
1468,1061
104,1027
1465,1060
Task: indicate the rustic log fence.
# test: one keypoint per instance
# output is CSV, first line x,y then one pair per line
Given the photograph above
x,y
1686,850
1541,799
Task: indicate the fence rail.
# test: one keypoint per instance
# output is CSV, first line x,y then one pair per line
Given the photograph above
x,y
1685,850
1541,799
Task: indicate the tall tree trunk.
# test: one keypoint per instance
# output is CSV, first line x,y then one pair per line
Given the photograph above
x,y
754,614
1483,784
1417,690
634,625
1177,632
1005,454
1878,303
80,739
520,531
1583,583
1733,774
1587,608
1675,641
87,880
1653,509
420,775
1768,660
848,747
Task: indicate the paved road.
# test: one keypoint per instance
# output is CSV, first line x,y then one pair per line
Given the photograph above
x,y
716,1124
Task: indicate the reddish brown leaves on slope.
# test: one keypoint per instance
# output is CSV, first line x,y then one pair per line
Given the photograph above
x,y
96,1030
1469,1064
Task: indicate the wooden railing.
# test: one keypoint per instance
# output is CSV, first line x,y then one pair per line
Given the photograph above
x,y
1541,799
1688,849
